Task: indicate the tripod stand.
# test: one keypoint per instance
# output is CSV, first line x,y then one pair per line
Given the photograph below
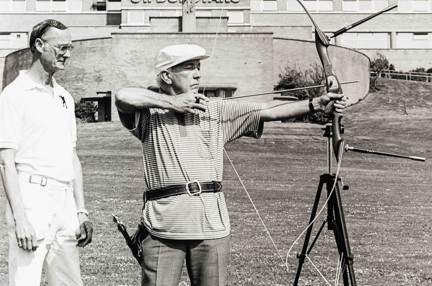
x,y
335,221
335,215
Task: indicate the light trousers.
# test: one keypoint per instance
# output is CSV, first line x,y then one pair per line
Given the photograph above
x,y
206,261
52,212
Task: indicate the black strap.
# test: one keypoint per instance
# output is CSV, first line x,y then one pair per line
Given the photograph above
x,y
192,188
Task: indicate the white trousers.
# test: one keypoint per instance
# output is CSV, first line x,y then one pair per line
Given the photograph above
x,y
52,212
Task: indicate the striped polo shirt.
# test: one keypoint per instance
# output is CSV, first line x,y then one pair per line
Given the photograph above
x,y
180,148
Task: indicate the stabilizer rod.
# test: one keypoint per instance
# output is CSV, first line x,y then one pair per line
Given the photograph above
x,y
349,27
369,151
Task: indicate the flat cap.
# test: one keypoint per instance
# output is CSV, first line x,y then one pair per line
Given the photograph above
x,y
176,54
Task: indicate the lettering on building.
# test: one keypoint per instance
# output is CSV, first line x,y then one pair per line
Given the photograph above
x,y
181,1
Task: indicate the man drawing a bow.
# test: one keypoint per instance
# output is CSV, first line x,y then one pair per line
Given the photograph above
x,y
183,134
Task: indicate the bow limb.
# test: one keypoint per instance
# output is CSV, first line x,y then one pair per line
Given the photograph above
x,y
332,82
332,85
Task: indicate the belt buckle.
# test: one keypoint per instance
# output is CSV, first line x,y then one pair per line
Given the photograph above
x,y
43,182
199,188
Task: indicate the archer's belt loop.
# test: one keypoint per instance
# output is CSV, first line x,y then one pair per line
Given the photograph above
x,y
192,188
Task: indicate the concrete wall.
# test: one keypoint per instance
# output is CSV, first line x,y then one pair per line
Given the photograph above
x,y
250,61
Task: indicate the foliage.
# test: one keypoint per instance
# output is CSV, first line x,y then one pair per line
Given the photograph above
x,y
291,78
419,69
85,111
429,70
377,66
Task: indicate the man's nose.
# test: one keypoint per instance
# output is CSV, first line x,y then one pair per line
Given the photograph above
x,y
197,73
67,54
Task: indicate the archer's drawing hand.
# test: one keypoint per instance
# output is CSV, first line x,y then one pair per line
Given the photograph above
x,y
332,102
85,232
190,102
25,234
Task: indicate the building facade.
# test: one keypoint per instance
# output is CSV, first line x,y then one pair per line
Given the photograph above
x,y
404,34
116,40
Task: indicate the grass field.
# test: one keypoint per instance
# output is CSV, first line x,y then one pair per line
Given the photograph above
x,y
388,207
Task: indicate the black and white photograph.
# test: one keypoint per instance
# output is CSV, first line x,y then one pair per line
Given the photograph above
x,y
215,142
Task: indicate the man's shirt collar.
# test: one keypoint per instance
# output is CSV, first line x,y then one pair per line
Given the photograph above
x,y
28,83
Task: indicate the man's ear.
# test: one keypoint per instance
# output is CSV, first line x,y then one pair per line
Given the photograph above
x,y
38,45
165,76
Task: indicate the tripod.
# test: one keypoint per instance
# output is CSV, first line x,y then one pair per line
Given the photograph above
x,y
335,221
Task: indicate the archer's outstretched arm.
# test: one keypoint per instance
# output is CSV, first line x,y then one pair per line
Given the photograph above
x,y
279,110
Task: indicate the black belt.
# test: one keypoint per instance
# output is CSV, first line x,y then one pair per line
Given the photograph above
x,y
193,188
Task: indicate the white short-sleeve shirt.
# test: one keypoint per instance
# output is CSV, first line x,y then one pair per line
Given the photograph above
x,y
41,126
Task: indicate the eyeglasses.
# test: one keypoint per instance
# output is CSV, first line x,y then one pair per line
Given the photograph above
x,y
62,49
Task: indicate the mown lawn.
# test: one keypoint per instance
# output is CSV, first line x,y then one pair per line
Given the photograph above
x,y
388,207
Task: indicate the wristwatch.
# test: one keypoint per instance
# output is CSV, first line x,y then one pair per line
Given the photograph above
x,y
82,211
311,107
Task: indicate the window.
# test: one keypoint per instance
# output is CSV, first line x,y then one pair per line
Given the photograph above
x,y
366,40
203,13
59,5
13,40
114,5
235,17
13,6
135,17
415,5
263,5
74,6
311,5
4,41
414,40
51,5
170,13
364,5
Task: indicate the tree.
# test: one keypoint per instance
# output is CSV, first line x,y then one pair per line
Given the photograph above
x,y
291,78
85,110
377,66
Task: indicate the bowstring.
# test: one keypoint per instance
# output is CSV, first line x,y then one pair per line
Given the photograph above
x,y
229,159
341,148
255,208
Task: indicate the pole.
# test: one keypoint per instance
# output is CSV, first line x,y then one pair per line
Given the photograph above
x,y
369,151
349,27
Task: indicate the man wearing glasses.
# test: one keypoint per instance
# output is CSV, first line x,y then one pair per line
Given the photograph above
x,y
40,169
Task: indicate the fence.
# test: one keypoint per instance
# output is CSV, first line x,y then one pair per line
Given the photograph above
x,y
411,76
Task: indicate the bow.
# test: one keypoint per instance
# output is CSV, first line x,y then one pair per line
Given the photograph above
x,y
331,81
333,85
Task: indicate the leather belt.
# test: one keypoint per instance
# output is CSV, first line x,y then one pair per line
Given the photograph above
x,y
193,188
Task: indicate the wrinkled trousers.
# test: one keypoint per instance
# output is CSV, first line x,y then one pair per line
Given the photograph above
x,y
206,261
52,212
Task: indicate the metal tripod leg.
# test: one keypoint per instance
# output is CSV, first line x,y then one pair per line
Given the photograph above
x,y
302,255
336,222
